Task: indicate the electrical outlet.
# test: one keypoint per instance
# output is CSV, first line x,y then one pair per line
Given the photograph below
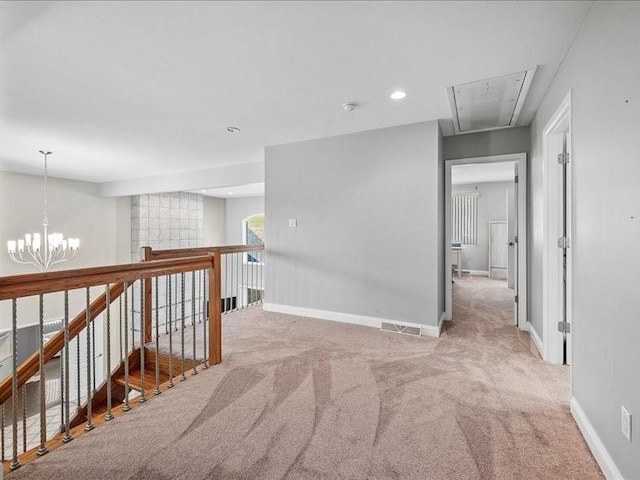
x,y
293,223
626,423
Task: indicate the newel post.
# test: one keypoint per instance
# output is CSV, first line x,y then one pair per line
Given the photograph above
x,y
215,309
148,305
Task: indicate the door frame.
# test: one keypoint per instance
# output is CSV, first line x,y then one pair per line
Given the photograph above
x,y
552,301
521,159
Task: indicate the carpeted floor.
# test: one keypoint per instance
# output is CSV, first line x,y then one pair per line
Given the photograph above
x,y
298,398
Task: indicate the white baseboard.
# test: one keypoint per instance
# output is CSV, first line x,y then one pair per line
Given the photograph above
x,y
425,330
481,273
536,340
598,449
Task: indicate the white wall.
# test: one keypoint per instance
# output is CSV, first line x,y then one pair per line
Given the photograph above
x,y
75,209
368,207
238,209
602,70
215,223
492,206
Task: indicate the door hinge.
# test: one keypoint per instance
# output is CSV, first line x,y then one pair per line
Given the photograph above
x,y
515,299
515,179
563,158
564,327
515,238
564,242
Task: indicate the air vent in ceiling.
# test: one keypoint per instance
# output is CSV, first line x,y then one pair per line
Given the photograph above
x,y
489,104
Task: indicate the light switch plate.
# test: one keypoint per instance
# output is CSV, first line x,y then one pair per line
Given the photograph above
x,y
626,423
293,222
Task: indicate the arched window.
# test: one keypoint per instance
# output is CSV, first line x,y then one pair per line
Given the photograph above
x,y
252,233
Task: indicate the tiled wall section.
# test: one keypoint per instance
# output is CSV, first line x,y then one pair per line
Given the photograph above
x,y
166,220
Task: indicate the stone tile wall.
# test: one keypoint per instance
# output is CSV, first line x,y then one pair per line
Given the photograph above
x,y
166,220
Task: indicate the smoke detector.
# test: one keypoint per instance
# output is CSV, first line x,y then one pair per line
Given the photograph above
x,y
349,107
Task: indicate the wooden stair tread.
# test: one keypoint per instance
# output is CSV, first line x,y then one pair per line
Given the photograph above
x,y
135,380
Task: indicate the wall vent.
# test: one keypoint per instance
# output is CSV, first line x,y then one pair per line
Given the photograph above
x,y
399,328
489,104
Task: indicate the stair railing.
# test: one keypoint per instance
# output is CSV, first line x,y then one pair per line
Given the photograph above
x,y
133,367
241,282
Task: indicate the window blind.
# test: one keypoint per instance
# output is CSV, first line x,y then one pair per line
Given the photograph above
x,y
464,218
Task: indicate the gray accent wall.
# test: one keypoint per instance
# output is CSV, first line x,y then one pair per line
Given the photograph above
x,y
369,208
602,72
484,144
492,206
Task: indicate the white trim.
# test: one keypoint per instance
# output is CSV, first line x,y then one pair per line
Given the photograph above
x,y
600,453
375,322
480,273
536,340
521,158
551,228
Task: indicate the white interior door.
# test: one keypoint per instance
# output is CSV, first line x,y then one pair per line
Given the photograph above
x,y
498,253
512,227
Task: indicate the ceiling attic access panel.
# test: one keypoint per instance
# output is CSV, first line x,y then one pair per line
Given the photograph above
x,y
489,104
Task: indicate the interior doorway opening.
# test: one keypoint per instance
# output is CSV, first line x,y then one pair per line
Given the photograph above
x,y
485,232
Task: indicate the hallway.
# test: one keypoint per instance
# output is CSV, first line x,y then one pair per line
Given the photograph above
x,y
298,398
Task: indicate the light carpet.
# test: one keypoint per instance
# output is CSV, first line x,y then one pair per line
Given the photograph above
x,y
299,398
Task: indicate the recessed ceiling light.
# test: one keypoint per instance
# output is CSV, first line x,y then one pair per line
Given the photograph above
x,y
230,193
398,95
202,191
233,130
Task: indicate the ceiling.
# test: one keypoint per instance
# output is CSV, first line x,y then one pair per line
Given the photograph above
x,y
482,173
238,191
127,90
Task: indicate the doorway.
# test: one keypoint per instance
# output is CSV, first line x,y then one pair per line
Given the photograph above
x,y
510,252
556,266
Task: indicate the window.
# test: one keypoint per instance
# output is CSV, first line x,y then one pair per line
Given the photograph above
x,y
464,218
252,233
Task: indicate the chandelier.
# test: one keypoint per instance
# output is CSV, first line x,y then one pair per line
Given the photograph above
x,y
47,250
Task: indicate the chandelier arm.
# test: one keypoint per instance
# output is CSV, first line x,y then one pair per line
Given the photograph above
x,y
61,259
31,252
20,259
36,255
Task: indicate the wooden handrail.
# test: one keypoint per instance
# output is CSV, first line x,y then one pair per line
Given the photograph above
x,y
55,345
19,286
115,277
190,252
148,254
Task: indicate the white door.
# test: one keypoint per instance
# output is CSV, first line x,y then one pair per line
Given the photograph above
x,y
512,227
498,253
